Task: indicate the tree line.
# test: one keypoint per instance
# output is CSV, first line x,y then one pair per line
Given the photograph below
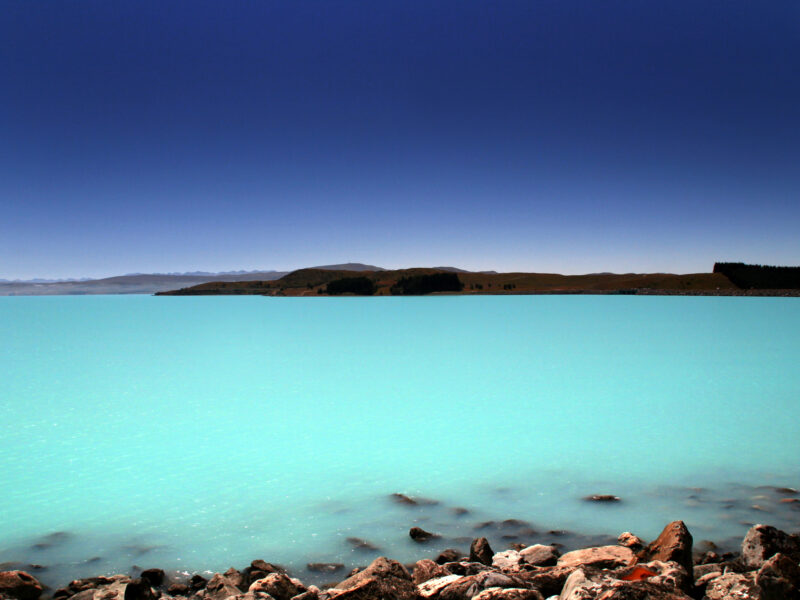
x,y
762,277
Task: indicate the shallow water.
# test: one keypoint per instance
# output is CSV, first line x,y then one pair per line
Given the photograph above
x,y
199,433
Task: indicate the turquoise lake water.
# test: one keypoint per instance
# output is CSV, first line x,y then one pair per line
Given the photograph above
x,y
200,433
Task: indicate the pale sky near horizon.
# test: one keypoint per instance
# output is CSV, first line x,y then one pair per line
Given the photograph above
x,y
548,136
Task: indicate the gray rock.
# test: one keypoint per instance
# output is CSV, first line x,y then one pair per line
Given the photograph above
x,y
540,555
432,587
764,541
738,586
507,560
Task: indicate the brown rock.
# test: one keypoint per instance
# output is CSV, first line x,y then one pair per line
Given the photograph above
x,y
178,589
139,589
377,588
380,568
236,578
277,585
426,569
548,580
19,585
591,584
779,579
603,557
673,544
508,560
448,555
480,551
219,587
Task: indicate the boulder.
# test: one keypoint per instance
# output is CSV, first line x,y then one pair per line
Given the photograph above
x,y
277,585
548,580
592,584
739,586
19,585
420,535
178,589
139,589
377,588
604,557
480,551
155,577
466,568
508,560
236,578
197,582
432,587
764,541
540,555
673,544
779,579
426,569
380,568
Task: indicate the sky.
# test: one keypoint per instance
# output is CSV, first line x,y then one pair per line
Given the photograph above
x,y
536,135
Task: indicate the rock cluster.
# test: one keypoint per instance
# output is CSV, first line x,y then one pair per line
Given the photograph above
x,y
666,569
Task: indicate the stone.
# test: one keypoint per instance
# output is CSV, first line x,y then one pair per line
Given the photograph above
x,y
277,585
20,585
262,565
634,542
220,587
602,498
480,551
448,555
673,544
427,569
377,588
380,568
412,501
667,574
591,584
309,594
779,578
178,589
540,555
155,577
420,535
139,589
507,560
508,594
432,587
763,541
466,568
238,579
604,557
197,582
548,580
738,586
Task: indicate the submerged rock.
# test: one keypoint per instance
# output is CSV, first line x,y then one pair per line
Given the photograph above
x,y
448,555
420,535
324,567
602,498
362,544
412,500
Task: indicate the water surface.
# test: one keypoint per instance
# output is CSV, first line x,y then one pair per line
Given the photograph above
x,y
204,432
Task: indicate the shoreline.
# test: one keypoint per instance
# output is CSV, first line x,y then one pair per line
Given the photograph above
x,y
671,567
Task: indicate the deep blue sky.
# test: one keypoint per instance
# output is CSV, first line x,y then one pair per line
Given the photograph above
x,y
559,135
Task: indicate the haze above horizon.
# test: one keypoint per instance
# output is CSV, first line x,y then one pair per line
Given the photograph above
x,y
552,136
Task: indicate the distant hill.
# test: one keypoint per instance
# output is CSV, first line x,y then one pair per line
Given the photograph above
x,y
349,267
127,284
314,282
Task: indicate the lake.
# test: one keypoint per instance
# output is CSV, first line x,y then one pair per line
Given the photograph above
x,y
203,432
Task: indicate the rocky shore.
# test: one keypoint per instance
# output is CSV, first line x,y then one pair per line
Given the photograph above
x,y
668,568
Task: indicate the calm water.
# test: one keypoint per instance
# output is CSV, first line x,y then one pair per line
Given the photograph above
x,y
201,433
